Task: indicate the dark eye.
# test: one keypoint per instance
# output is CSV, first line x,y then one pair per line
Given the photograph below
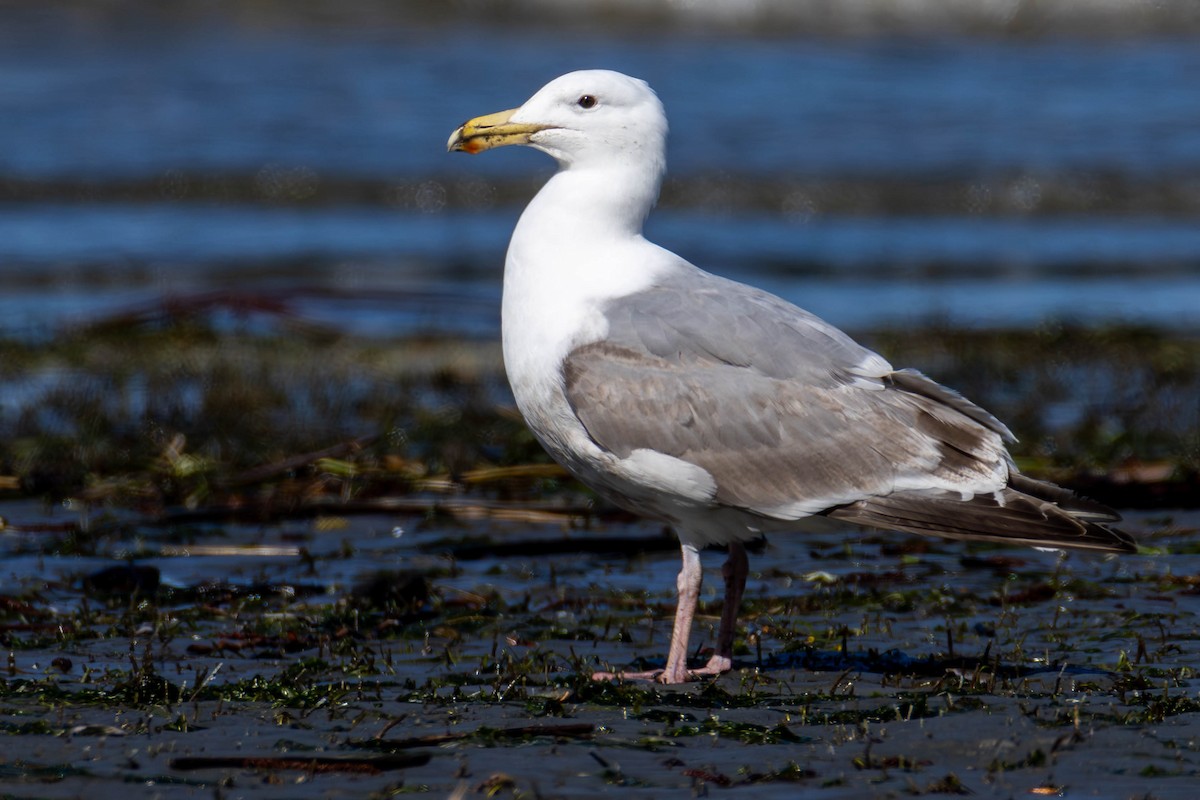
x,y
587,101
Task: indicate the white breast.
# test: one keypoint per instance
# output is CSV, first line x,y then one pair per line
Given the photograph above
x,y
546,314
558,278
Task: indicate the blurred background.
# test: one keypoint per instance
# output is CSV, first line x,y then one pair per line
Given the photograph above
x,y
989,163
230,228
254,421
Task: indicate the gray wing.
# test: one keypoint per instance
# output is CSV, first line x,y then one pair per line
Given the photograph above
x,y
700,319
788,414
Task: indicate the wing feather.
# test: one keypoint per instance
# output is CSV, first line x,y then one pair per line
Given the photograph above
x,y
791,417
787,413
1006,516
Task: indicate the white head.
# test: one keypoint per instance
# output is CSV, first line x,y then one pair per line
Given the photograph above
x,y
585,118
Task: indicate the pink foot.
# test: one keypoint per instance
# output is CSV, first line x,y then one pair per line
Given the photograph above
x,y
717,665
648,675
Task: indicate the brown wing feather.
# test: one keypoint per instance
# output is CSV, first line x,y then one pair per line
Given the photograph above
x,y
799,444
788,416
1014,518
771,443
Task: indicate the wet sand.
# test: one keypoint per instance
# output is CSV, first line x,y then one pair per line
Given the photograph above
x,y
267,663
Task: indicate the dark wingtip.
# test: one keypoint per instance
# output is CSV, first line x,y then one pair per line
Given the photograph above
x,y
1122,541
1019,519
1077,505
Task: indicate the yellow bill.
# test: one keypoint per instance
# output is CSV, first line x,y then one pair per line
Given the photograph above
x,y
491,130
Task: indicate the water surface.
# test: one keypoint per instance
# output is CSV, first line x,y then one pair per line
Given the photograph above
x,y
291,111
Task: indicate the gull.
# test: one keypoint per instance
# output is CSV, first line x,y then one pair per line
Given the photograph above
x,y
718,408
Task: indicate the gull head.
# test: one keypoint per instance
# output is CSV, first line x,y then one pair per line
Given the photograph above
x,y
582,118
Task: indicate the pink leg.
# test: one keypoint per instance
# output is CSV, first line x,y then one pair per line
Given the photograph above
x,y
735,570
688,585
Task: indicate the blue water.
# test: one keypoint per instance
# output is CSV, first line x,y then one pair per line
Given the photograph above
x,y
117,103
110,104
